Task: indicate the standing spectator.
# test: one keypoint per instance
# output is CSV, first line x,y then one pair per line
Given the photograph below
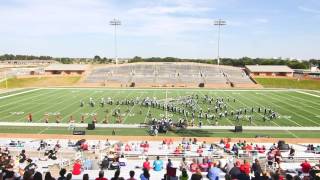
x,y
146,164
131,174
214,172
62,174
184,175
197,175
256,169
101,176
158,164
145,175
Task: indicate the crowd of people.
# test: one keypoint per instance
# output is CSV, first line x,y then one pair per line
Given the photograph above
x,y
22,167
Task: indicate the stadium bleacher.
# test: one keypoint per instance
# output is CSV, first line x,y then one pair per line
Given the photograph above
x,y
168,74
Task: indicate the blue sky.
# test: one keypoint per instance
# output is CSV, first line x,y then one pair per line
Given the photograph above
x,y
179,28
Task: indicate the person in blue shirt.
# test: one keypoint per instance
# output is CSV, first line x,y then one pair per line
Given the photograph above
x,y
158,164
214,172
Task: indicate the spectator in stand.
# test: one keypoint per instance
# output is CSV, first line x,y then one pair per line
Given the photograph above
x,y
197,175
77,167
69,176
85,177
183,164
36,176
291,153
214,172
235,171
27,175
245,167
169,164
48,176
305,167
256,169
131,174
116,175
184,175
194,165
146,164
62,174
145,175
101,176
158,164
278,157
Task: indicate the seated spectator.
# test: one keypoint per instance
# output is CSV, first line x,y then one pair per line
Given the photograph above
x,y
169,164
36,176
128,148
30,166
116,175
305,167
101,176
62,174
131,174
48,176
158,164
69,176
105,163
145,175
213,172
197,175
194,166
184,175
146,164
183,164
291,153
245,167
204,165
85,177
77,167
256,169
235,171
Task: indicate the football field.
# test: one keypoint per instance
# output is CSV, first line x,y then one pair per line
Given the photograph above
x,y
291,107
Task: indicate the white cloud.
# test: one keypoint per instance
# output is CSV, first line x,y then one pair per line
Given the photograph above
x,y
309,10
262,20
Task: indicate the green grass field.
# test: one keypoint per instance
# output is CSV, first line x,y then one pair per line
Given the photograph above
x,y
292,107
40,81
288,83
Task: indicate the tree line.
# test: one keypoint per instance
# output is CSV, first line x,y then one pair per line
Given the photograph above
x,y
239,62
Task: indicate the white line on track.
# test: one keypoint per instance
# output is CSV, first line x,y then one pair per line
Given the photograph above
x,y
302,92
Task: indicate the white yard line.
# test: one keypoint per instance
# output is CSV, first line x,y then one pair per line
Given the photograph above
x,y
10,95
280,107
298,114
302,92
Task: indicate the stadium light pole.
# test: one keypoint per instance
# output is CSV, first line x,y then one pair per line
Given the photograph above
x,y
219,23
115,22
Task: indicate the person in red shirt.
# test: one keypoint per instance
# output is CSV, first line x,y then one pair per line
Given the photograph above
x,y
194,166
245,167
146,164
305,166
77,168
101,176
